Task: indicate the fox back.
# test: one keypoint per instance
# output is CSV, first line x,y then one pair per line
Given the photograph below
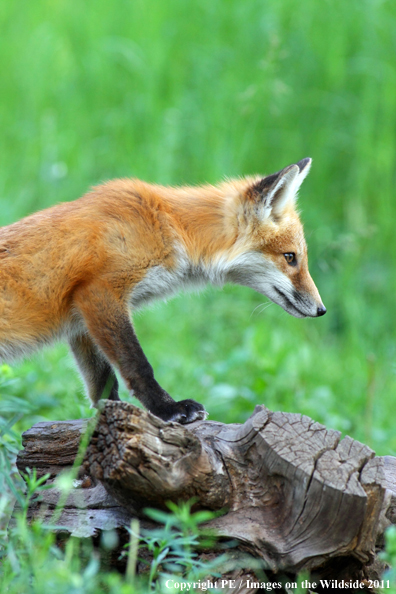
x,y
75,271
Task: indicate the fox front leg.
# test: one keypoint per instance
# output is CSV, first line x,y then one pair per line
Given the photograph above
x,y
107,321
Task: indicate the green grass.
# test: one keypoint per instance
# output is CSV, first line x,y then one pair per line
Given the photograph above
x,y
181,92
188,92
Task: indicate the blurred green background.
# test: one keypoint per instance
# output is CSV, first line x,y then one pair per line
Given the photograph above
x,y
188,92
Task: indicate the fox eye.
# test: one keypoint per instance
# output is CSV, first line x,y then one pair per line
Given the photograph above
x,y
290,258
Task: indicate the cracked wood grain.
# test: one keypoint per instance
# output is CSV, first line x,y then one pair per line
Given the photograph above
x,y
295,494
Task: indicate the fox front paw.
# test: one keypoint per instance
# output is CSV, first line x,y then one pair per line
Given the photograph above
x,y
186,411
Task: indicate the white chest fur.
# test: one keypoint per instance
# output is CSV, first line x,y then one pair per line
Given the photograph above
x,y
249,269
161,282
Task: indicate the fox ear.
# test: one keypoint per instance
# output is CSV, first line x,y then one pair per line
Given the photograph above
x,y
277,191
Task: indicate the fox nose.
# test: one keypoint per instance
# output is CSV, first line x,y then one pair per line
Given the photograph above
x,y
321,310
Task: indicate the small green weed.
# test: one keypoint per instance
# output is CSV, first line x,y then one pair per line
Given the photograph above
x,y
174,545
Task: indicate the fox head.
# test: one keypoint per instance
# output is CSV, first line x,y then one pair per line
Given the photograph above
x,y
273,258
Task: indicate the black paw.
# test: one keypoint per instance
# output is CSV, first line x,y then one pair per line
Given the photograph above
x,y
186,411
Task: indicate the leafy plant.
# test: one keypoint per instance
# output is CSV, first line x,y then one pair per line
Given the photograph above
x,y
174,545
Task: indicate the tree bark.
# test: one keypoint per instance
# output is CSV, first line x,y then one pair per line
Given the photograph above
x,y
294,493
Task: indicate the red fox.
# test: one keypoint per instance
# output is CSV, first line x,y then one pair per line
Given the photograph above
x,y
73,271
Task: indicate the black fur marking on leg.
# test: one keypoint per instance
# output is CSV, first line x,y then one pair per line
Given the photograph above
x,y
186,411
95,369
111,329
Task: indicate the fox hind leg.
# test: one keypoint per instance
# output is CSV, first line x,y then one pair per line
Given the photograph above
x,y
97,372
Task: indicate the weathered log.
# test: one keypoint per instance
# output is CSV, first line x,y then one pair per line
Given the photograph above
x,y
50,448
295,494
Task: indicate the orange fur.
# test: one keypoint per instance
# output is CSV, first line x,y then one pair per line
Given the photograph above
x,y
61,267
